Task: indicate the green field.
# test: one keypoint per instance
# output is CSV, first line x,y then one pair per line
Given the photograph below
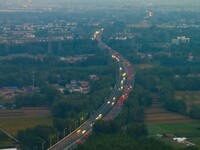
x,y
13,124
188,130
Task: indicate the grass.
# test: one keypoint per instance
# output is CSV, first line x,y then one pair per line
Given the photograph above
x,y
180,129
188,130
13,124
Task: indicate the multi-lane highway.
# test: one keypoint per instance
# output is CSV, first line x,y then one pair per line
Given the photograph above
x,y
113,104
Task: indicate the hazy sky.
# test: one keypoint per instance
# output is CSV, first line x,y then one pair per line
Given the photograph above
x,y
57,2
92,1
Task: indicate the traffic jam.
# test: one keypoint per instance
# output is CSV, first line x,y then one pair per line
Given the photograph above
x,y
127,75
126,86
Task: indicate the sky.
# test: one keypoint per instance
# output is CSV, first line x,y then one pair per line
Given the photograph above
x,y
61,2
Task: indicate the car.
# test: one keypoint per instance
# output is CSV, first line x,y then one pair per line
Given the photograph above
x,y
122,98
78,131
108,102
126,90
99,117
114,98
124,74
125,96
79,141
130,78
83,131
111,113
86,135
107,118
113,103
91,125
119,103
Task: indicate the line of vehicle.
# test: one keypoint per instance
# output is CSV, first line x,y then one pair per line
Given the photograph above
x,y
75,137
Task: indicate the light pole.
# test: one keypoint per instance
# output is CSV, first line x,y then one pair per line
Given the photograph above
x,y
70,128
76,124
64,131
43,145
58,136
86,116
81,119
50,141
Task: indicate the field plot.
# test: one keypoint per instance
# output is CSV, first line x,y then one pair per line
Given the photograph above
x,y
191,97
27,111
14,120
160,121
156,114
145,66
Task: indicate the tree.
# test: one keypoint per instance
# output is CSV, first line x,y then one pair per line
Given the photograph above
x,y
137,130
31,137
195,112
103,127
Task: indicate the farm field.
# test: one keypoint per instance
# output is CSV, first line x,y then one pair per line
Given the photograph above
x,y
13,120
160,121
191,97
156,114
145,66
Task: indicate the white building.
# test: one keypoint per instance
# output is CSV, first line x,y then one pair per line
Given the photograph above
x,y
179,139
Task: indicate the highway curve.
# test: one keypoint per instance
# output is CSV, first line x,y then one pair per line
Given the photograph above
x,y
113,105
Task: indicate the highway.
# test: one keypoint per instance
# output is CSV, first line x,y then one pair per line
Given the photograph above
x,y
113,104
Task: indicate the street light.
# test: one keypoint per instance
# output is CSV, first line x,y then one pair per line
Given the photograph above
x,y
43,145
50,141
70,128
58,138
76,124
86,116
64,131
81,119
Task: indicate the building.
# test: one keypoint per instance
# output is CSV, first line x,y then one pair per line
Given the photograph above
x,y
9,93
180,39
78,86
183,39
93,77
179,139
